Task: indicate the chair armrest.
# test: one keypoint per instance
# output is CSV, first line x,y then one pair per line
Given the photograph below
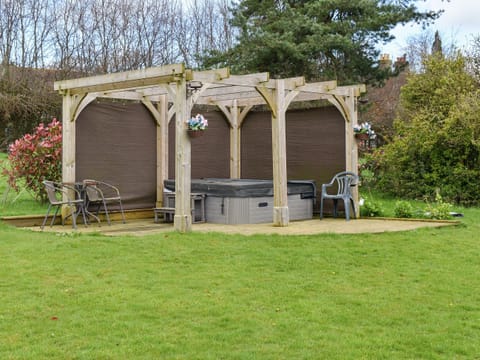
x,y
325,186
107,190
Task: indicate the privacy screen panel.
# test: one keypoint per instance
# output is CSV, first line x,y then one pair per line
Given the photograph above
x,y
210,152
315,145
116,143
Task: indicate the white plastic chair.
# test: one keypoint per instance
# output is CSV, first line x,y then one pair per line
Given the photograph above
x,y
344,181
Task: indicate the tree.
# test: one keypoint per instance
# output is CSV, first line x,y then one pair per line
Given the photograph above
x,y
321,39
474,58
421,45
46,40
437,142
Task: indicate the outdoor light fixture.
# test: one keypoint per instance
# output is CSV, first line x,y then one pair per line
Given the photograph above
x,y
193,86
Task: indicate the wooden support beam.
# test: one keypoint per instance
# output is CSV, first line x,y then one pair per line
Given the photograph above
x,y
289,83
318,87
155,113
209,76
346,90
126,95
235,116
339,103
80,103
351,148
245,80
123,80
281,215
68,144
162,148
278,100
172,91
268,95
183,216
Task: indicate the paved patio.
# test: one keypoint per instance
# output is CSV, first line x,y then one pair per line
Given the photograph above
x,y
140,227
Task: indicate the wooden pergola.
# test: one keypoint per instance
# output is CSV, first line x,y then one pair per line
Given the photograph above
x,y
234,95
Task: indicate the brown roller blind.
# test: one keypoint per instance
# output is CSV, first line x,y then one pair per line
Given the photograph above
x,y
116,143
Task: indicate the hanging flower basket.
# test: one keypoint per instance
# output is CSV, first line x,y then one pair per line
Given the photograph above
x,y
364,132
196,126
362,136
195,133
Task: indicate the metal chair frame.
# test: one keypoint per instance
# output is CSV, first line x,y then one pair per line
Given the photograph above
x,y
59,194
101,193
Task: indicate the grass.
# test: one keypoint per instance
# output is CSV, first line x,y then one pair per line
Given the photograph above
x,y
13,203
211,296
405,295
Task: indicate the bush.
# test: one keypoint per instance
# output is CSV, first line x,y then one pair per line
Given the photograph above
x,y
36,157
439,210
437,140
403,209
370,208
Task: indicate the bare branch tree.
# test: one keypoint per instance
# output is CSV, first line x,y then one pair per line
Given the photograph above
x,y
10,13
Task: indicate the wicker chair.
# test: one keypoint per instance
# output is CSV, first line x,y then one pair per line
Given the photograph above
x,y
101,193
61,194
344,182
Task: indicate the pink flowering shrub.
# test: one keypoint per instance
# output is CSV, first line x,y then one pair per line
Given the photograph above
x,y
36,157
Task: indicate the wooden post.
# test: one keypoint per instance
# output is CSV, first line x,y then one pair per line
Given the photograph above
x,y
183,216
162,148
351,148
235,144
68,144
278,103
279,156
235,117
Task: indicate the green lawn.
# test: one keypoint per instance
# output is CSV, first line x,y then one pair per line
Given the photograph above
x,y
12,203
406,295
209,296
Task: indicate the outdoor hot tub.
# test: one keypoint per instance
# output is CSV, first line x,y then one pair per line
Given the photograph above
x,y
249,201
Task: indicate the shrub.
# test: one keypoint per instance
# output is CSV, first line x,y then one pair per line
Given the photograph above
x,y
439,210
403,209
366,168
36,157
437,140
370,208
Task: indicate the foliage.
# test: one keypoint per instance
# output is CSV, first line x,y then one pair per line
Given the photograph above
x,y
13,203
321,40
26,95
366,169
403,209
363,128
437,144
370,208
474,58
36,157
439,210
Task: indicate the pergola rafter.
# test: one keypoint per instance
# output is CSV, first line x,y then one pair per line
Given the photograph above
x,y
234,95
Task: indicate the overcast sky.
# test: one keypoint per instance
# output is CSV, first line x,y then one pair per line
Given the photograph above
x,y
459,22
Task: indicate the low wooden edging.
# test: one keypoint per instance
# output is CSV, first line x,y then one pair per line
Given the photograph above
x,y
36,220
412,219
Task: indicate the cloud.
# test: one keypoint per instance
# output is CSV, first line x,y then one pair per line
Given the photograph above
x,y
458,24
